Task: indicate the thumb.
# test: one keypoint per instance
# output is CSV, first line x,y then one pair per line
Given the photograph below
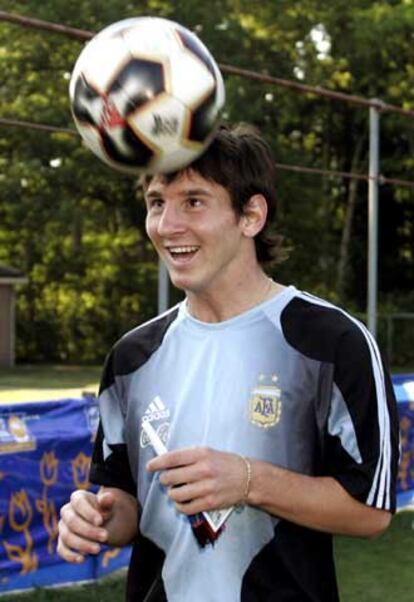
x,y
106,501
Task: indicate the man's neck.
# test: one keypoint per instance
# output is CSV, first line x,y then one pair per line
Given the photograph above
x,y
220,305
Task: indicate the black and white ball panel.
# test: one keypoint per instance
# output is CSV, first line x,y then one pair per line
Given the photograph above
x,y
146,94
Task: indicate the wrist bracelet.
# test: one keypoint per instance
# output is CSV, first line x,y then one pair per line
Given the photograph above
x,y
248,476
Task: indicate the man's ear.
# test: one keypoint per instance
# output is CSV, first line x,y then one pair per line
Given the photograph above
x,y
254,215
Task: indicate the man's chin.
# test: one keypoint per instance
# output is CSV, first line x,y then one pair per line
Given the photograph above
x,y
183,284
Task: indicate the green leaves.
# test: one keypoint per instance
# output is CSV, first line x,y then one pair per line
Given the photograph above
x,y
75,227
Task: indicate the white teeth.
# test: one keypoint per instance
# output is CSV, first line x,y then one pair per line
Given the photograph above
x,y
182,249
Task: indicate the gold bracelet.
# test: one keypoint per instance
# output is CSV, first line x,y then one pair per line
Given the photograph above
x,y
248,477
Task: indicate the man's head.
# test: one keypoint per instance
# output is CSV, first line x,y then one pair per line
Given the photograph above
x,y
241,161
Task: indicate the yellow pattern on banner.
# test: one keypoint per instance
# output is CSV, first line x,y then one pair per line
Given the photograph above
x,y
80,471
45,454
20,518
20,512
109,555
405,471
49,475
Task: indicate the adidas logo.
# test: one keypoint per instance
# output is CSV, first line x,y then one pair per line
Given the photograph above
x,y
156,410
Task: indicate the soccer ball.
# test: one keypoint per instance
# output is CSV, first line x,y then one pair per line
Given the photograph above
x,y
146,95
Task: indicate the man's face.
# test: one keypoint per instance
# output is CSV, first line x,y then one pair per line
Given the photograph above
x,y
196,232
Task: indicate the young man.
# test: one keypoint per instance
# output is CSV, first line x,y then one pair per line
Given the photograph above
x,y
270,401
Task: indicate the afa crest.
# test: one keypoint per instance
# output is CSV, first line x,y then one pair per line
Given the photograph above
x,y
15,434
265,404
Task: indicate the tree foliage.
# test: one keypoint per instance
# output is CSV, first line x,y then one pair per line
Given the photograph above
x,y
75,227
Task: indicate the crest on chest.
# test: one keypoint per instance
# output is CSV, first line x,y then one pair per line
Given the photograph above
x,y
265,404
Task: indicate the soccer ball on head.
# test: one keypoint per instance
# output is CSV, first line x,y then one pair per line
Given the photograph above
x,y
146,95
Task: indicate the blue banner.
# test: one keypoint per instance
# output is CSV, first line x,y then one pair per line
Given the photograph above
x,y
404,390
45,452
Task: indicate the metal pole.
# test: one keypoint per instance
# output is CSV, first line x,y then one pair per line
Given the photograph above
x,y
373,219
163,287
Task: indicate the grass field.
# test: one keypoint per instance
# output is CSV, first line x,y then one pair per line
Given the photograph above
x,y
378,570
110,589
39,383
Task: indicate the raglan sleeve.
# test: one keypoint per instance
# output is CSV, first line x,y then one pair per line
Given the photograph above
x,y
362,434
110,464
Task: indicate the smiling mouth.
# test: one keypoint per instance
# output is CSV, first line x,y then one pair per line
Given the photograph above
x,y
182,252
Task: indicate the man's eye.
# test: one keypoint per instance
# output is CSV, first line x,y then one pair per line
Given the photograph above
x,y
194,202
155,203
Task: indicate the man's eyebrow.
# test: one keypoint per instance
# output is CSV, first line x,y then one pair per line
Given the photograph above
x,y
153,194
187,192
195,192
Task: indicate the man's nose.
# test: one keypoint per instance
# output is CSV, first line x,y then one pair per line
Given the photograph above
x,y
171,221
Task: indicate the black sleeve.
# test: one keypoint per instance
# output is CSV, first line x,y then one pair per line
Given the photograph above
x,y
110,463
362,426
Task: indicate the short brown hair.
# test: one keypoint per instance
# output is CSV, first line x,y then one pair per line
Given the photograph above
x,y
241,161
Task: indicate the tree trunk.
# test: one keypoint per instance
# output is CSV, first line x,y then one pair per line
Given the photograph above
x,y
343,261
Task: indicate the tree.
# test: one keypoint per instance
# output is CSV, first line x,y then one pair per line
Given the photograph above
x,y
75,227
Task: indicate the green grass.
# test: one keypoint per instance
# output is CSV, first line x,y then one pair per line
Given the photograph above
x,y
32,383
110,589
409,369
368,571
380,569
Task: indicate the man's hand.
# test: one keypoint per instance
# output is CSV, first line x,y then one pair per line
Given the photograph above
x,y
201,479
88,520
82,524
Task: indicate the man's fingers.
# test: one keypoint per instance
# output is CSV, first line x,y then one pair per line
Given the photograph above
x,y
186,493
179,457
186,466
201,479
73,545
94,508
106,501
81,530
175,477
72,522
202,504
68,554
85,504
